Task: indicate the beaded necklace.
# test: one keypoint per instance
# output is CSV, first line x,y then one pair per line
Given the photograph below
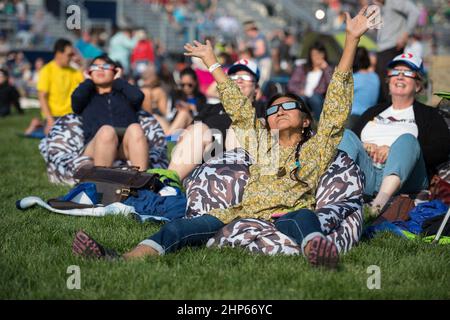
x,y
282,170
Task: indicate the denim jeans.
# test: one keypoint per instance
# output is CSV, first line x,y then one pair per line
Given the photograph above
x,y
404,160
180,233
301,225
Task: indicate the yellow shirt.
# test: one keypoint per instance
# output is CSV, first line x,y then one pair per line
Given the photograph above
x,y
266,192
59,83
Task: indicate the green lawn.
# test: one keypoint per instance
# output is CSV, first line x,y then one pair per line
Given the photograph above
x,y
35,252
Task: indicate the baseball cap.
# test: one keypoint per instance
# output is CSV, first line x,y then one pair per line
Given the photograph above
x,y
245,65
412,61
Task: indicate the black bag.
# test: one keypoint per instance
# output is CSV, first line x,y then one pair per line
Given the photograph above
x,y
431,226
117,184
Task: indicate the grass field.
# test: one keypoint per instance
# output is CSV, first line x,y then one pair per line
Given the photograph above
x,y
35,252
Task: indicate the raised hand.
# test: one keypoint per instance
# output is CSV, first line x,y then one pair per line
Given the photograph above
x,y
87,75
358,25
202,51
119,72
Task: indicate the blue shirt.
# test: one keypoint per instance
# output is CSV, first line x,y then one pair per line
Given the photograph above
x,y
367,87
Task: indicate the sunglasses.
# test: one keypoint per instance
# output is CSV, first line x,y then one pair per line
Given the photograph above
x,y
289,105
245,77
97,67
189,85
405,73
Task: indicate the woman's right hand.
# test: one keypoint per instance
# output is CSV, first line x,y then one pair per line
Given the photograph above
x,y
202,51
371,149
358,25
87,76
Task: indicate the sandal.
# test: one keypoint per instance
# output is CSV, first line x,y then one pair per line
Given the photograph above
x,y
83,245
323,253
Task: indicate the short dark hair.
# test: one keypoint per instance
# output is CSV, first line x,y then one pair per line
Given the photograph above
x,y
105,58
362,60
61,44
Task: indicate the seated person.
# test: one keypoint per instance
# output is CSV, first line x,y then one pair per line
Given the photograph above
x,y
311,80
188,101
367,86
8,95
213,120
109,106
398,144
287,185
155,101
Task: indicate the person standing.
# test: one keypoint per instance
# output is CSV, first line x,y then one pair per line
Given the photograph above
x,y
259,45
399,20
8,95
120,47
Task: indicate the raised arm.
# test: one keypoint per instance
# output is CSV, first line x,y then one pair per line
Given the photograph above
x,y
235,103
355,28
317,152
206,53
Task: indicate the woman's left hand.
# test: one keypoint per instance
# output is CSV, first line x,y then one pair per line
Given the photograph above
x,y
358,25
381,154
118,74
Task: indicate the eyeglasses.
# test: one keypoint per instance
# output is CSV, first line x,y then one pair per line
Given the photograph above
x,y
245,77
97,67
405,73
289,105
189,85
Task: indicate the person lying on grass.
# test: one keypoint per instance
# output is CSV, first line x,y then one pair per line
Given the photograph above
x,y
109,106
287,186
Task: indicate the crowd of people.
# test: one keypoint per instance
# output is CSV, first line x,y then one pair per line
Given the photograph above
x,y
218,91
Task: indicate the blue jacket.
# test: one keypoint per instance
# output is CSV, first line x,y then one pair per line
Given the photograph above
x,y
118,108
153,206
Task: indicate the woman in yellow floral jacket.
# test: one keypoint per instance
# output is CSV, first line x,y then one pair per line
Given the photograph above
x,y
287,163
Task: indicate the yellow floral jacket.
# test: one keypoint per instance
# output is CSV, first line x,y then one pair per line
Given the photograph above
x,y
268,192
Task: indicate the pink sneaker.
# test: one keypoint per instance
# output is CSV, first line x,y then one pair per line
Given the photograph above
x,y
323,253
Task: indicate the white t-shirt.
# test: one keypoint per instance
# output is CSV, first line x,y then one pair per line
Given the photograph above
x,y
312,80
386,127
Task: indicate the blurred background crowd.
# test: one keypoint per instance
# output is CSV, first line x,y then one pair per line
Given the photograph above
x,y
147,36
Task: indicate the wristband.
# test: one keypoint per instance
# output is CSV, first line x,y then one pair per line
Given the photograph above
x,y
214,67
